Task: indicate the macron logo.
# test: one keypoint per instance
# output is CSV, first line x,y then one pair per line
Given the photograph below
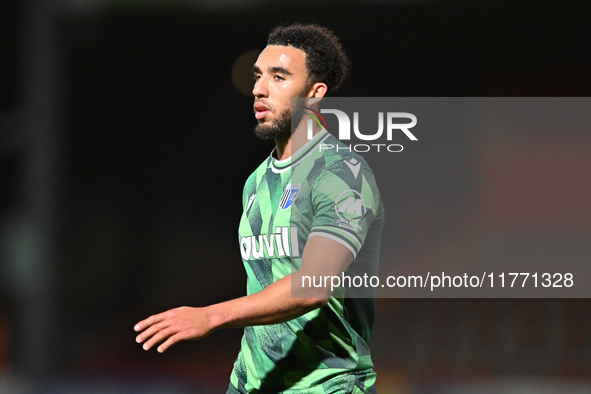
x,y
352,206
354,165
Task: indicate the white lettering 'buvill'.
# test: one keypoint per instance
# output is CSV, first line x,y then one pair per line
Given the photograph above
x,y
277,244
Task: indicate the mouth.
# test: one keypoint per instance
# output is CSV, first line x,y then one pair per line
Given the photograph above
x,y
260,110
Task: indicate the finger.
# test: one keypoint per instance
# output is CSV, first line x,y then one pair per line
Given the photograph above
x,y
151,330
170,341
158,337
142,325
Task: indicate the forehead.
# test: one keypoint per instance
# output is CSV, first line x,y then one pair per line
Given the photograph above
x,y
288,57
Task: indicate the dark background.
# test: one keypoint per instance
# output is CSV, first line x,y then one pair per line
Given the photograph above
x,y
124,146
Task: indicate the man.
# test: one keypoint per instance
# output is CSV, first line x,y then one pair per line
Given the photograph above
x,y
298,338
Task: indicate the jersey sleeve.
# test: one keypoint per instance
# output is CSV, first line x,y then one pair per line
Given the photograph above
x,y
345,201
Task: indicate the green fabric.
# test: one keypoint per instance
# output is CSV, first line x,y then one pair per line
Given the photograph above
x,y
317,192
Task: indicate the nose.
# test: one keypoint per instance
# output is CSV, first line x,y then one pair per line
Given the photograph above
x,y
260,88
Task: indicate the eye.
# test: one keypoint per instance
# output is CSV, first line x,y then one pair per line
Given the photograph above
x,y
279,78
256,77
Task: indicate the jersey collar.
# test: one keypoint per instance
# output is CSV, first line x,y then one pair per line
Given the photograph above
x,y
297,157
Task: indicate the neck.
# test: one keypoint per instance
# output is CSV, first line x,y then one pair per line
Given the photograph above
x,y
283,147
294,141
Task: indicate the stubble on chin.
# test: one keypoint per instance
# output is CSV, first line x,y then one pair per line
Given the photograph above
x,y
281,126
277,128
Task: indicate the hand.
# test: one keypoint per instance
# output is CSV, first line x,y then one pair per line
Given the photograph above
x,y
175,325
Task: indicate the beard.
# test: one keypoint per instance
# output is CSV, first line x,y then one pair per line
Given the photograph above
x,y
281,126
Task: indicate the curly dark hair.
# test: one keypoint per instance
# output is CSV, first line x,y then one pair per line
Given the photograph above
x,y
325,59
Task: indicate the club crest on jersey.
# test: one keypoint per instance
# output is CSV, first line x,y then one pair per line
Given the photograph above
x,y
289,195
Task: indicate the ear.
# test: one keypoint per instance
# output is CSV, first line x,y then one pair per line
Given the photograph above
x,y
319,89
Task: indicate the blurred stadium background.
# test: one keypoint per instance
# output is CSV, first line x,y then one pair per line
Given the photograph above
x,y
125,140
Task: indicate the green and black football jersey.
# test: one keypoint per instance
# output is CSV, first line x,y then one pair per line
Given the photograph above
x,y
318,191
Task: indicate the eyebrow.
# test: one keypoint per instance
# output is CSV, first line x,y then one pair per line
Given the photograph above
x,y
276,69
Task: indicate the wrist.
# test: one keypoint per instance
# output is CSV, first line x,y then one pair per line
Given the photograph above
x,y
215,316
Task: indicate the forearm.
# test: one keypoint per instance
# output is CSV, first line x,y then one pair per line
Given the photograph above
x,y
274,304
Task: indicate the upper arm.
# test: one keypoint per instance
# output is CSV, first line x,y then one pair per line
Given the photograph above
x,y
345,202
323,259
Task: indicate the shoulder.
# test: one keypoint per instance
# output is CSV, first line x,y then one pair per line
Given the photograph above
x,y
346,175
350,167
259,172
255,177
